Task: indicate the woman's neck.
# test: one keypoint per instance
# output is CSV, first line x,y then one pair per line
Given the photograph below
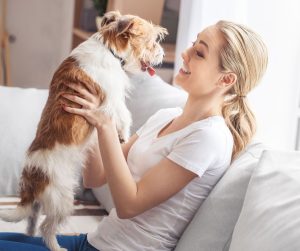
x,y
198,109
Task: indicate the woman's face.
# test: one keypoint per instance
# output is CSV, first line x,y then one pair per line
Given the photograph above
x,y
200,72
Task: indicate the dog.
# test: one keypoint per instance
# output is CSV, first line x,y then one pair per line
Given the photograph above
x,y
123,44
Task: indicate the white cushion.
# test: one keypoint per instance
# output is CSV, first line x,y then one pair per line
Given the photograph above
x,y
269,219
20,111
213,224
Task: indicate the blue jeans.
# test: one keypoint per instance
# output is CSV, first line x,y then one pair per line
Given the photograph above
x,y
22,242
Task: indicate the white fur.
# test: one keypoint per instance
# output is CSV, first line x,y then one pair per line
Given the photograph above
x,y
105,69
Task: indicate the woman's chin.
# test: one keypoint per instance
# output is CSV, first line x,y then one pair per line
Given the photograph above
x,y
178,79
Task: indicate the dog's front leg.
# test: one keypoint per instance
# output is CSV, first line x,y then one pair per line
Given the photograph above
x,y
123,122
122,117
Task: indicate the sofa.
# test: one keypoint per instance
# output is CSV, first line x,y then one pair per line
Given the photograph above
x,y
255,206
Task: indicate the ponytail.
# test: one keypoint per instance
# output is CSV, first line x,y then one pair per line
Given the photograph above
x,y
241,122
244,54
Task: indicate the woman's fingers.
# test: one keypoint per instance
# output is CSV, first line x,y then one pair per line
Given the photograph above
x,y
90,117
73,110
81,90
78,100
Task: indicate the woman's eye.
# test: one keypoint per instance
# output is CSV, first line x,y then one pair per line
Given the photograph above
x,y
199,54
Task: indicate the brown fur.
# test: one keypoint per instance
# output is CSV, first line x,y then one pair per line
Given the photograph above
x,y
33,183
130,29
56,125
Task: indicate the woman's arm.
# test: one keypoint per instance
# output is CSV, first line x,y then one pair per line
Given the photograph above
x,y
130,197
94,173
157,185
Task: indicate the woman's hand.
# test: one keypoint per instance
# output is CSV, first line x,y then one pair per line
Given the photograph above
x,y
90,106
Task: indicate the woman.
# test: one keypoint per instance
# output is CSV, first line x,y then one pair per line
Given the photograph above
x,y
165,171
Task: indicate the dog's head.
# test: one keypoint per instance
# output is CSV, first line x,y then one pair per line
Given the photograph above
x,y
134,40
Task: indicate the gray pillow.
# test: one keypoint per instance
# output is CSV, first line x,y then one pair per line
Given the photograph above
x,y
213,224
269,219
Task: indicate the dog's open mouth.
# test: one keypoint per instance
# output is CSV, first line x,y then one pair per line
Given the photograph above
x,y
147,67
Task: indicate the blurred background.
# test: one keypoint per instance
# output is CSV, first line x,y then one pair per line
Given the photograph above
x,y
37,35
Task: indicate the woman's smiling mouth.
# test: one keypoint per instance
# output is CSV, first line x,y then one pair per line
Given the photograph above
x,y
184,70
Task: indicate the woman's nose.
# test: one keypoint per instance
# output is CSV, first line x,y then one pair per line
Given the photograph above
x,y
185,55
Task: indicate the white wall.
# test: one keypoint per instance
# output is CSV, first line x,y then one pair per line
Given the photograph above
x,y
275,101
43,31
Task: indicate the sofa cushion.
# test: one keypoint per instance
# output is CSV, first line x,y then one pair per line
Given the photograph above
x,y
20,111
213,224
269,219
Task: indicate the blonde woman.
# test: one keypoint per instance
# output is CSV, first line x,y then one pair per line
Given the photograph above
x,y
160,177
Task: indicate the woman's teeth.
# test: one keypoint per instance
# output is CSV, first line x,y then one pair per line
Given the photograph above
x,y
185,71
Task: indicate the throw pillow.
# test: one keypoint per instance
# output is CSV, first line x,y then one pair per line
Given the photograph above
x,y
269,219
213,224
20,111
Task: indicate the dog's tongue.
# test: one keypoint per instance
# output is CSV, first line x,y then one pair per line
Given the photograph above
x,y
146,67
151,71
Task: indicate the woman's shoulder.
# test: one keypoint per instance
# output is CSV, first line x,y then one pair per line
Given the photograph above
x,y
212,131
169,111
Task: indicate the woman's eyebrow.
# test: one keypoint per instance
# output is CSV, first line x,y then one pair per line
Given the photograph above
x,y
204,43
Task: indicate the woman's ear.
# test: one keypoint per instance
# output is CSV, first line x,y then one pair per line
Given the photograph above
x,y
228,79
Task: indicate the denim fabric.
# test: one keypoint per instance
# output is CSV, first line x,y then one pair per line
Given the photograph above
x,y
22,242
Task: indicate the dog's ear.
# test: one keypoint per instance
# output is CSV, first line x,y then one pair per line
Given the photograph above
x,y
108,18
124,25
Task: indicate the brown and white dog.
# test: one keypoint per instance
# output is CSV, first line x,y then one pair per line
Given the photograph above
x,y
123,44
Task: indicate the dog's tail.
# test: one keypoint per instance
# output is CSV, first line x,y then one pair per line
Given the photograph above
x,y
17,214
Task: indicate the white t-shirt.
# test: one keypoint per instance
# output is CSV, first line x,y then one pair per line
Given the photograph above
x,y
203,147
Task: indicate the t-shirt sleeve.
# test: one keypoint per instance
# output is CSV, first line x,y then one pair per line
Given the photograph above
x,y
199,151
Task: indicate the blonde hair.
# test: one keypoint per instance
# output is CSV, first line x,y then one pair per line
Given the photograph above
x,y
244,54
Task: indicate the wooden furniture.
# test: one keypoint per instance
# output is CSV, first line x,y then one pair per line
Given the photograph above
x,y
150,10
5,74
